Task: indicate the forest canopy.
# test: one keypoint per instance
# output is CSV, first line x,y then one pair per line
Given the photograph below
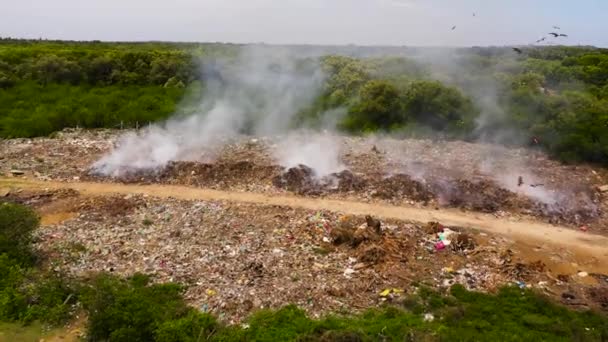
x,y
550,97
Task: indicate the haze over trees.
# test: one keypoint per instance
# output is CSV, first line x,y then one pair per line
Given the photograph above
x,y
550,97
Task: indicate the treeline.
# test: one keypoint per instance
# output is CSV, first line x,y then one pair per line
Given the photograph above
x,y
558,104
555,98
135,309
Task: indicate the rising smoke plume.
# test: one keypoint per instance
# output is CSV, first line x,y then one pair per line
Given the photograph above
x,y
258,93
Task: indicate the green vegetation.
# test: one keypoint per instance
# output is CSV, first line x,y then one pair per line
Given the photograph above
x,y
134,309
27,293
551,97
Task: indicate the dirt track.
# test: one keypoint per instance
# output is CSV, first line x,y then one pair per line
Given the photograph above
x,y
529,232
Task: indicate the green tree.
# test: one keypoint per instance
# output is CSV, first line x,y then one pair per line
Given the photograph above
x,y
379,107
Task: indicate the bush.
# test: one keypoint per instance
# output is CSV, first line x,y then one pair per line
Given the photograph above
x,y
28,294
134,310
17,223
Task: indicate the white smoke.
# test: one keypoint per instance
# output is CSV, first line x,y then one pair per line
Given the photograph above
x,y
260,92
319,151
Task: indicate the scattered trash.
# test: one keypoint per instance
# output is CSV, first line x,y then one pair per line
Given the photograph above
x,y
439,245
373,254
16,172
390,293
348,272
428,317
447,270
582,274
210,292
373,224
5,192
520,181
463,242
434,228
568,296
520,284
603,188
583,228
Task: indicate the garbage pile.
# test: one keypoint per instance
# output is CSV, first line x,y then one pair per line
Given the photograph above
x,y
400,172
235,258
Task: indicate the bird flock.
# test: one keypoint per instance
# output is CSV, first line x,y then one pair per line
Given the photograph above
x,y
554,34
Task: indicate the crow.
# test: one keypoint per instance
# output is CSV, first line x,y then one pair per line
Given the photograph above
x,y
542,39
563,35
557,27
554,34
453,27
473,13
517,50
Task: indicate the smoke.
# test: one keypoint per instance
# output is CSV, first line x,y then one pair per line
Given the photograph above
x,y
260,92
319,151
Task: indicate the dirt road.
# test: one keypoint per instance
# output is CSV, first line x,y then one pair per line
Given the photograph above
x,y
529,232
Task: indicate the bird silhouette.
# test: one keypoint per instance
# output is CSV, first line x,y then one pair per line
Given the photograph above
x,y
517,50
563,35
542,39
554,34
453,27
557,27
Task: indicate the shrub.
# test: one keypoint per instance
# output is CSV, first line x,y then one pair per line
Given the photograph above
x,y
27,295
133,310
17,223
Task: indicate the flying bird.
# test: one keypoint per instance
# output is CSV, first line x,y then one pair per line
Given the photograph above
x,y
554,34
518,50
473,13
542,39
454,27
563,35
557,27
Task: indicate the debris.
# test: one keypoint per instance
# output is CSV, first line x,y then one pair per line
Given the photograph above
x,y
433,228
463,242
348,272
373,224
603,188
439,245
520,181
599,295
340,235
5,192
16,172
428,317
520,284
568,296
583,228
582,274
210,292
365,234
390,292
373,254
375,149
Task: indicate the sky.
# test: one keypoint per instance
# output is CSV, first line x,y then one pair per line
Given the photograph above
x,y
327,22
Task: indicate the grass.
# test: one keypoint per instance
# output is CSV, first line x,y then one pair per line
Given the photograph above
x,y
510,315
34,332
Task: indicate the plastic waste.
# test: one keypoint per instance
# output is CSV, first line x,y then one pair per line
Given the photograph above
x,y
439,245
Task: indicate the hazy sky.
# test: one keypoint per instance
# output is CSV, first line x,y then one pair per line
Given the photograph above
x,y
364,22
